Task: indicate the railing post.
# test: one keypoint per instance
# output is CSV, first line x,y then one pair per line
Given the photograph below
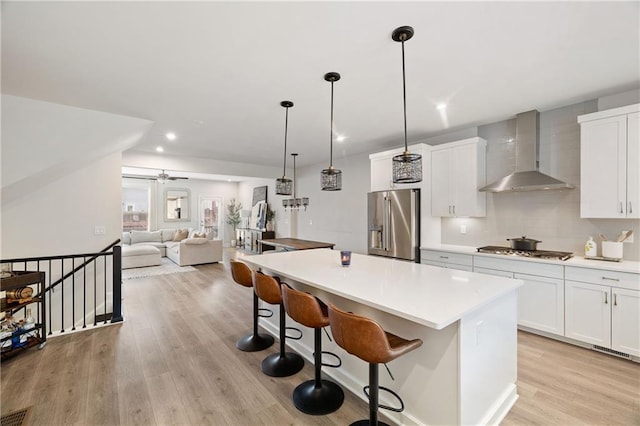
x,y
117,284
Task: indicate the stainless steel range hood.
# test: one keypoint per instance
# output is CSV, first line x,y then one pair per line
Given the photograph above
x,y
527,177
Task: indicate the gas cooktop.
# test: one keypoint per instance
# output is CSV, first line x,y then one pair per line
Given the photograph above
x,y
537,254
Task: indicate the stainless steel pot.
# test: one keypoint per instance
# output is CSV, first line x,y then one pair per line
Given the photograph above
x,y
523,243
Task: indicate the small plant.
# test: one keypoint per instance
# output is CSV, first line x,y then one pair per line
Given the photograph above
x,y
271,214
233,214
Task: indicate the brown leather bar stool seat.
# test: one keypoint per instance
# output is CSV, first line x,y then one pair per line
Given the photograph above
x,y
316,396
243,275
366,339
283,363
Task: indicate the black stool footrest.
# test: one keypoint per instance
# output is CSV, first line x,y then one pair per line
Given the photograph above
x,y
366,422
265,313
386,407
294,329
326,364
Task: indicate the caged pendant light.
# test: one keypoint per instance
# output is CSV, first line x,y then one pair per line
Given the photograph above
x,y
331,179
284,184
407,167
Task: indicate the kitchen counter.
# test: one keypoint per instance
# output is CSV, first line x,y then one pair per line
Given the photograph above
x,y
466,370
578,261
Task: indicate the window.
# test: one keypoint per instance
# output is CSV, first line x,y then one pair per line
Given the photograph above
x,y
211,215
135,209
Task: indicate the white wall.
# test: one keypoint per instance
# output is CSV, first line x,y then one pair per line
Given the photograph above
x,y
339,217
59,218
284,223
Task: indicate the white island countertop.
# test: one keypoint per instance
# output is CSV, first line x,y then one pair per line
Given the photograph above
x,y
431,296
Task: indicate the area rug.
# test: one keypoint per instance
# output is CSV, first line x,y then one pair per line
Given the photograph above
x,y
167,267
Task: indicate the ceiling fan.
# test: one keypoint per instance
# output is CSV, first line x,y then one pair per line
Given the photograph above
x,y
161,177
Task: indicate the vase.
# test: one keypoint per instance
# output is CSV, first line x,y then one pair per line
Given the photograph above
x,y
269,226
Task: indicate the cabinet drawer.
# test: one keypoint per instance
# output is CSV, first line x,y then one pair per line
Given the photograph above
x,y
495,272
520,267
446,257
626,280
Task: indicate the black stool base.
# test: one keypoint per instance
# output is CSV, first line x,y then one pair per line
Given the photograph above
x,y
318,400
278,365
255,342
366,423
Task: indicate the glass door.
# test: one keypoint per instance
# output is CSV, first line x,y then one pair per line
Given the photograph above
x,y
210,213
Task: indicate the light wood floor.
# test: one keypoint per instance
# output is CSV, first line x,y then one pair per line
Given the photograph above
x,y
174,361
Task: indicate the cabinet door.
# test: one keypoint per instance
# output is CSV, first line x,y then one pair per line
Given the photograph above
x,y
603,170
466,165
625,321
588,313
440,183
633,165
541,303
381,174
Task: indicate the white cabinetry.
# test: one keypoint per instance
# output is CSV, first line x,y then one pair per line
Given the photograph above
x,y
540,299
462,262
610,163
382,168
457,172
603,308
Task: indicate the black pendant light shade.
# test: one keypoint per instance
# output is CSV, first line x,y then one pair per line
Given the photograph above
x,y
331,178
407,167
284,185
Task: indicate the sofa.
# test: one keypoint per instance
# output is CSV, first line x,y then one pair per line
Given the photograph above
x,y
182,246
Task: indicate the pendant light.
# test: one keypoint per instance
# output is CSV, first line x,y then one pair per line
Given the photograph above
x,y
407,167
331,179
283,184
295,203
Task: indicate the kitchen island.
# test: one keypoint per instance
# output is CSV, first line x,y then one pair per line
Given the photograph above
x,y
466,370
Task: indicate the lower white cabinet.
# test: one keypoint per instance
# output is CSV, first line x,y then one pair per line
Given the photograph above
x,y
540,299
541,303
604,316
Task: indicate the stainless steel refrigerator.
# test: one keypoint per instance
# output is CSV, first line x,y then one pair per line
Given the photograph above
x,y
394,223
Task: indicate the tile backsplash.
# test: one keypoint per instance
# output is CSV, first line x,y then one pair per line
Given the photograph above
x,y
550,216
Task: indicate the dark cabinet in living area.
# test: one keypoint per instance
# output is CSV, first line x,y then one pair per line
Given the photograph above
x,y
248,239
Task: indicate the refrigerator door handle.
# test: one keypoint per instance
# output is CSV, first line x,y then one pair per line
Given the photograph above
x,y
387,221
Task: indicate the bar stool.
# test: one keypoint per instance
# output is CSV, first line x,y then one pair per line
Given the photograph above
x,y
365,338
317,396
243,275
280,364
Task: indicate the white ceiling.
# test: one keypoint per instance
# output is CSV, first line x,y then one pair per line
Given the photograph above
x,y
215,72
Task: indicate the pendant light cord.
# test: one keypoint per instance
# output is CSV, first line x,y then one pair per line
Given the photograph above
x,y
331,131
286,125
404,98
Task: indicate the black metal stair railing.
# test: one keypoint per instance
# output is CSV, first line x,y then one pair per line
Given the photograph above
x,y
81,288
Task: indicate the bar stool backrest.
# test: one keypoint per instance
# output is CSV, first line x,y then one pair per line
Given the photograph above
x,y
241,273
267,288
360,336
304,308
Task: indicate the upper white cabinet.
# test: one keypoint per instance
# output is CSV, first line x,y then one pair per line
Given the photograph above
x,y
382,168
610,163
457,172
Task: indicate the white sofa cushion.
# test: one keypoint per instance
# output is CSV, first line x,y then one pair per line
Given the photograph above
x,y
196,241
126,238
145,236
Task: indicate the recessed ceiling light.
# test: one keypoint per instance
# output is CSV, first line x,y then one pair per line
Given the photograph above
x,y
441,107
159,149
171,136
341,138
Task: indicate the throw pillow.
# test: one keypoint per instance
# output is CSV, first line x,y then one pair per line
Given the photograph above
x,y
145,237
180,235
199,235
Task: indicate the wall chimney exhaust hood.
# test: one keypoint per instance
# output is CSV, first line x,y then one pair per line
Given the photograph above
x,y
527,177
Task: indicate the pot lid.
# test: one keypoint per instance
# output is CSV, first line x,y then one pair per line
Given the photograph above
x,y
524,239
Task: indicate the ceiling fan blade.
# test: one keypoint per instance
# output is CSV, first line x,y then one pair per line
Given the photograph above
x,y
176,177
